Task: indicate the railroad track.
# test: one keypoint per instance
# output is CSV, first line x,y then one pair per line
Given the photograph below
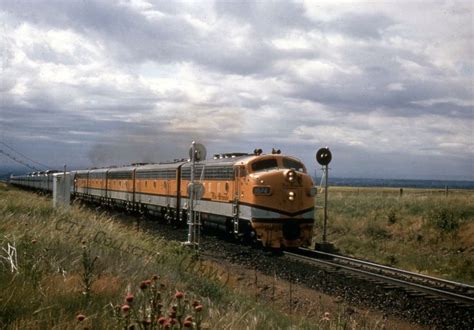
x,y
414,284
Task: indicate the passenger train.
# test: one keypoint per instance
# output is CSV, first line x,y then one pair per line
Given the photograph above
x,y
267,197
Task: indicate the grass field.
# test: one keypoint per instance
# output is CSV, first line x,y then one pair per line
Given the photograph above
x,y
420,230
77,269
74,269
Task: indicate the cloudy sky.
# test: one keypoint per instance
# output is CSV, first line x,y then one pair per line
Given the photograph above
x,y
388,86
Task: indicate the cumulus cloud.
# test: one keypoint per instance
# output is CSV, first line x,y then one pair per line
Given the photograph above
x,y
101,82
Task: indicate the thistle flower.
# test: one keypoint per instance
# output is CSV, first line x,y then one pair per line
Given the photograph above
x,y
143,285
129,298
198,308
189,318
195,303
179,295
188,324
326,317
125,308
33,241
80,317
161,320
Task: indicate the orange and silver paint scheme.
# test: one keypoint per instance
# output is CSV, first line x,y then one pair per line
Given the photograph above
x,y
269,197
280,200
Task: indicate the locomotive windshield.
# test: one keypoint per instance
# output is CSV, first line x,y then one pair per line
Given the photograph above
x,y
265,164
272,163
293,164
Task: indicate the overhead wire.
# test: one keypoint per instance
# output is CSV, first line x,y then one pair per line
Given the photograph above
x,y
24,156
18,160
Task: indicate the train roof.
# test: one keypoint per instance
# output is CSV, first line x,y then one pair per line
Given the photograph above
x,y
151,167
120,169
99,170
226,161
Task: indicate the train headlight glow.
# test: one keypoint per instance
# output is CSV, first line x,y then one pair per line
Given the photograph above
x,y
313,191
291,175
262,190
291,195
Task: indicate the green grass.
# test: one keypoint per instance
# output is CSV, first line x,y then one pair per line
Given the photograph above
x,y
76,261
422,230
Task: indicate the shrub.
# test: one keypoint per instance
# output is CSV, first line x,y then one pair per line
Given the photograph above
x,y
391,216
445,218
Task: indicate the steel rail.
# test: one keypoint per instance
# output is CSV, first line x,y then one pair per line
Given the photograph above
x,y
429,290
439,281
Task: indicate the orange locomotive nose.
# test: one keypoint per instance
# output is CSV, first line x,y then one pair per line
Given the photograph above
x,y
286,211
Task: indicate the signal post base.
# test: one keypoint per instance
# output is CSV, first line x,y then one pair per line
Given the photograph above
x,y
326,247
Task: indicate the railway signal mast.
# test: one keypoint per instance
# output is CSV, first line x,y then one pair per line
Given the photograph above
x,y
197,152
323,157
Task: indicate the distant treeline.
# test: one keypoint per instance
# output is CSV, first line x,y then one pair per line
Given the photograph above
x,y
399,183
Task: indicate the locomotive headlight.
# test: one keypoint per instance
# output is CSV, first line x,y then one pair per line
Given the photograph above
x,y
291,195
291,175
262,190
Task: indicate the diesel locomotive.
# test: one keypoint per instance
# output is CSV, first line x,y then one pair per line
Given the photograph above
x,y
265,197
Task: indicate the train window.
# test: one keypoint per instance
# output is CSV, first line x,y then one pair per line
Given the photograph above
x,y
157,174
209,173
265,164
293,164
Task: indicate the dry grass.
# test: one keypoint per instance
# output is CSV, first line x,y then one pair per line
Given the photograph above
x,y
422,230
56,256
